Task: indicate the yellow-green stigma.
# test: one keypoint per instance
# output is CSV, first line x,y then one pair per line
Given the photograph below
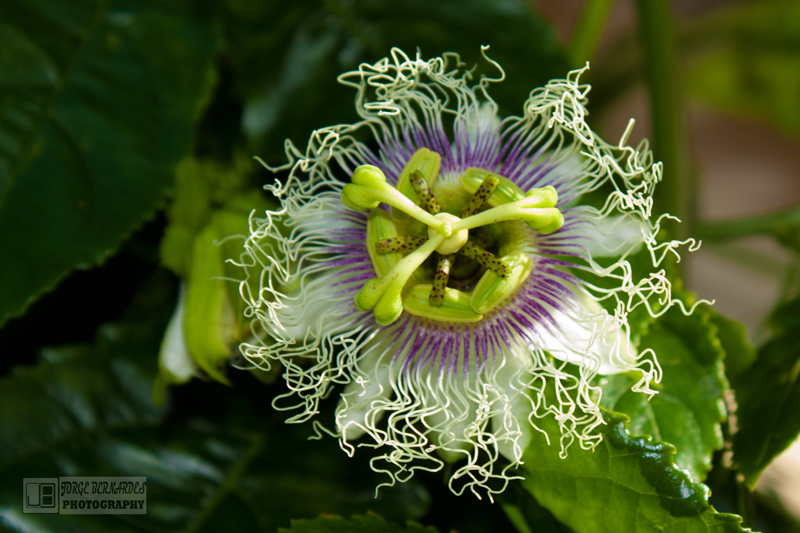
x,y
422,247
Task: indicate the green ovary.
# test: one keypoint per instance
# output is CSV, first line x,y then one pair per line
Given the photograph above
x,y
445,234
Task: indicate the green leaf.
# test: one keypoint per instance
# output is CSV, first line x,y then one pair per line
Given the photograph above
x,y
312,44
739,353
73,412
215,463
786,318
357,524
754,69
98,104
626,484
768,397
689,408
526,514
209,325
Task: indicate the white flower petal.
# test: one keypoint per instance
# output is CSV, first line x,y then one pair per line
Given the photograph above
x,y
174,357
612,236
591,338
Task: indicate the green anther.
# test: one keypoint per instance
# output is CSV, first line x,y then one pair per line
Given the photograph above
x,y
381,227
486,258
369,176
508,192
439,287
384,295
493,290
369,188
481,195
423,161
389,238
455,305
400,244
427,199
545,221
544,197
359,198
365,181
505,192
541,219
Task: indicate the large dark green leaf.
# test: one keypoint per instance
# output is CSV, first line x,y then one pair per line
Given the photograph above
x,y
626,484
768,397
689,407
79,411
358,524
97,104
220,461
288,76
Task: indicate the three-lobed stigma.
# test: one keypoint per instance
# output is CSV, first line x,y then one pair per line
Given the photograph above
x,y
465,246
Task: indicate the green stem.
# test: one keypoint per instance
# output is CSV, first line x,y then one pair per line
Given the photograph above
x,y
621,65
587,33
660,43
744,503
230,484
725,230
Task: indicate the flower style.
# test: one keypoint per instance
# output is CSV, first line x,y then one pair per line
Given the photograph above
x,y
446,268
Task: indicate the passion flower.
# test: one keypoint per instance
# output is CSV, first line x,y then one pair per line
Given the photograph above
x,y
452,275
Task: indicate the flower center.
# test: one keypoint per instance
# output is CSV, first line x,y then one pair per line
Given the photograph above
x,y
400,244
453,241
